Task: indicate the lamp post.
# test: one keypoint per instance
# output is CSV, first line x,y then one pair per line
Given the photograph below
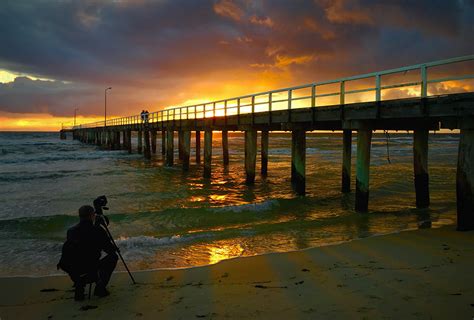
x,y
75,110
105,109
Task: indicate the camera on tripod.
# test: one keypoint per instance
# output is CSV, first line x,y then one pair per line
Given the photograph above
x,y
100,205
102,221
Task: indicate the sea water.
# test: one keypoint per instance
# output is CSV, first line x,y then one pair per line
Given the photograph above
x,y
162,217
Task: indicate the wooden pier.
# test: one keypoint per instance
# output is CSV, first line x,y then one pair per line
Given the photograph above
x,y
301,114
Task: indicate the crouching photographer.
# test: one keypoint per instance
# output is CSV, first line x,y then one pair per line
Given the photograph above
x,y
82,251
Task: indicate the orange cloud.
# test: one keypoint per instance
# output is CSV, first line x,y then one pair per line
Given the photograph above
x,y
346,11
229,9
266,21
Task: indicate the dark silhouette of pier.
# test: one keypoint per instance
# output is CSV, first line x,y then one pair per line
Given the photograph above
x,y
325,105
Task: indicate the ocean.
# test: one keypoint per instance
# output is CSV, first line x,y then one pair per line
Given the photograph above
x,y
162,217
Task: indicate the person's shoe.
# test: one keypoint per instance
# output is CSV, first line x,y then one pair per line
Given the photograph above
x,y
101,291
79,293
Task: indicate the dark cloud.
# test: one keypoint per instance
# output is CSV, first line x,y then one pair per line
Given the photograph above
x,y
164,52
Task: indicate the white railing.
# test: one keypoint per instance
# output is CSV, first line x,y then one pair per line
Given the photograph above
x,y
308,95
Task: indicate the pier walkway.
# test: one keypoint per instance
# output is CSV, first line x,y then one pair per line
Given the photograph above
x,y
418,98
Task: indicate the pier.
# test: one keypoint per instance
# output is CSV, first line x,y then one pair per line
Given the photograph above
x,y
328,105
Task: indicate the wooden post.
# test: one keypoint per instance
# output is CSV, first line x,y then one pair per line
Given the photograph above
x,y
420,166
129,140
207,152
153,141
264,153
198,147
147,144
298,161
169,147
465,181
186,149
364,138
140,140
225,147
163,143
250,155
346,160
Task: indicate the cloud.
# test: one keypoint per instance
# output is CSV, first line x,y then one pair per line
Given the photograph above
x,y
229,9
161,53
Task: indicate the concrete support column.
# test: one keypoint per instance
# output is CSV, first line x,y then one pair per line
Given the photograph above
x,y
198,147
465,181
169,147
163,143
364,139
147,144
186,149
264,153
153,141
298,161
250,155
346,160
140,141
225,147
420,166
207,152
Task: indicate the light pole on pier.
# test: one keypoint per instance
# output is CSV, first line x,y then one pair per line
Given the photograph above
x,y
75,110
105,108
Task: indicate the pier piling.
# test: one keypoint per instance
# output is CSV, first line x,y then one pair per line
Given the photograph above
x,y
250,155
198,147
420,166
298,161
364,139
264,153
207,152
146,136
169,147
180,145
225,147
153,141
163,143
465,181
346,160
186,149
140,140
129,140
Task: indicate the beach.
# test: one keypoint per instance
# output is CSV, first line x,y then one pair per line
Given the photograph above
x,y
417,274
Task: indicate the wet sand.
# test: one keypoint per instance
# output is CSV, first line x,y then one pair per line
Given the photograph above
x,y
422,274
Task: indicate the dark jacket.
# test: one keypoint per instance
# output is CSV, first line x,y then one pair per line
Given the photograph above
x,y
82,249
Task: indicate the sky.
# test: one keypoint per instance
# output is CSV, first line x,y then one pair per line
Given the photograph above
x,y
56,56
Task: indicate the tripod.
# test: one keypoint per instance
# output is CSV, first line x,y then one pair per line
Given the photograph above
x,y
103,221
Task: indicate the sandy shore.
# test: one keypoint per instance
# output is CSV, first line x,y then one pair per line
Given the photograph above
x,y
423,274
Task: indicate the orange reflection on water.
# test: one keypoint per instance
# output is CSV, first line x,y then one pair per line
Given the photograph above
x,y
217,197
197,199
224,251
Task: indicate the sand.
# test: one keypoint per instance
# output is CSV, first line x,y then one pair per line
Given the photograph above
x,y
421,274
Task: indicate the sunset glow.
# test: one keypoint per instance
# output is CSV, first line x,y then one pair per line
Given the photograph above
x,y
167,57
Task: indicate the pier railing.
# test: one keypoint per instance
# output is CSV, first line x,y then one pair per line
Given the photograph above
x,y
376,86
